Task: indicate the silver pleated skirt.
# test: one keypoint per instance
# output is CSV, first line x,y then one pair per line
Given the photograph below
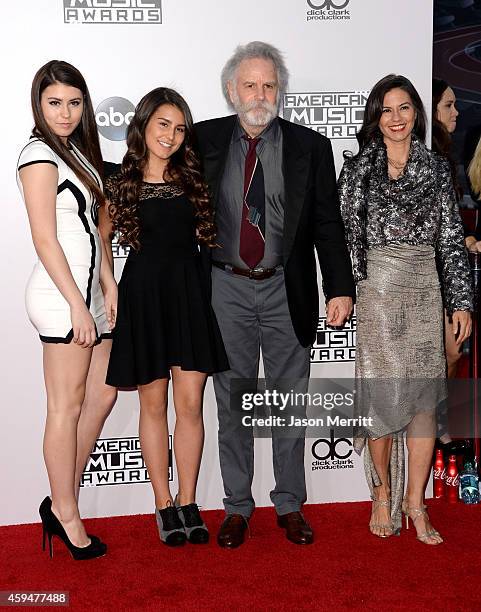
x,y
400,315
400,362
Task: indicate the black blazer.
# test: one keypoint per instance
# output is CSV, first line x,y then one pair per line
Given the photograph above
x,y
311,216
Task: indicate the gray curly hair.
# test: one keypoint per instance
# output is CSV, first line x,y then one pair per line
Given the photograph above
x,y
253,50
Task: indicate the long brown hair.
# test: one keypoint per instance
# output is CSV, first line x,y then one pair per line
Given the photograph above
x,y
85,136
375,103
441,138
183,169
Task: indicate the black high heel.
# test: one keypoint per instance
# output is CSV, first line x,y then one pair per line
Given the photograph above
x,y
53,527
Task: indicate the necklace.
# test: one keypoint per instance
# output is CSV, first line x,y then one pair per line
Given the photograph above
x,y
397,165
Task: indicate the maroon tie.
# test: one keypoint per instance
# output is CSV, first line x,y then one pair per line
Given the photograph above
x,y
251,249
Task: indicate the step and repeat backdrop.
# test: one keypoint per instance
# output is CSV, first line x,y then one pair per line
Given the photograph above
x,y
335,51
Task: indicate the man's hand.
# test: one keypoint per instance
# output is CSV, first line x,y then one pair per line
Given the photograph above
x,y
338,310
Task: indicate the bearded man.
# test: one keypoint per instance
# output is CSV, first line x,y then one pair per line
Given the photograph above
x,y
273,187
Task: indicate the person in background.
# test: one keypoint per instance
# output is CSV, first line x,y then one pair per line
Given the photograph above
x,y
159,206
473,242
472,162
71,296
444,116
400,212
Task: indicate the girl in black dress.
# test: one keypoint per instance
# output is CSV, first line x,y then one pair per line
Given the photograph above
x,y
159,206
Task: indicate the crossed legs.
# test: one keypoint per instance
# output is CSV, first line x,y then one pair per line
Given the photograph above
x,y
77,406
98,402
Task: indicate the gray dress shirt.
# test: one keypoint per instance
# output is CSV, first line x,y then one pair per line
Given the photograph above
x,y
230,201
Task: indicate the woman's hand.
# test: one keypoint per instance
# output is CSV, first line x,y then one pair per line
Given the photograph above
x,y
475,246
461,325
110,301
83,326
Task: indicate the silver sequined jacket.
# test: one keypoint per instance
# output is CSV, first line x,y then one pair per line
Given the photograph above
x,y
419,208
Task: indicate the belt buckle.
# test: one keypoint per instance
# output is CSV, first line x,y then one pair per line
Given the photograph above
x,y
256,272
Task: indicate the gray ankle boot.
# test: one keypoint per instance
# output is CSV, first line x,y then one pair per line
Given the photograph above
x,y
171,530
194,526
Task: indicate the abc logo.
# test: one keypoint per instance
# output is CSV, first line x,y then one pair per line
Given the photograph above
x,y
328,4
331,448
113,116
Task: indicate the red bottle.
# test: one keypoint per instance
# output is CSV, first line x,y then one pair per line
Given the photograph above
x,y
438,474
452,480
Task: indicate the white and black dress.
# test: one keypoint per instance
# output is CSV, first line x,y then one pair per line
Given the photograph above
x,y
76,219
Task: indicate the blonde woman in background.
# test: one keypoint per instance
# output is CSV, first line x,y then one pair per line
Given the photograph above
x,y
474,176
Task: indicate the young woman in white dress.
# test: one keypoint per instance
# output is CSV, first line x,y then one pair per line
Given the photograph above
x,y
71,295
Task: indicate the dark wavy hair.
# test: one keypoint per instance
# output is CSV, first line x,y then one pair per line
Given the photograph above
x,y
85,136
441,138
375,103
182,169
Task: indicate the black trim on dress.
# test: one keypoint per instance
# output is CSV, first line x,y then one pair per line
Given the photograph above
x,y
57,339
94,209
69,337
31,140
38,161
82,207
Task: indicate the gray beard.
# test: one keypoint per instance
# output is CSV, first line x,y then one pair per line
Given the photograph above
x,y
255,114
258,117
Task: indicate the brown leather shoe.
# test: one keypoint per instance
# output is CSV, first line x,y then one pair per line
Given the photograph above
x,y
297,528
232,531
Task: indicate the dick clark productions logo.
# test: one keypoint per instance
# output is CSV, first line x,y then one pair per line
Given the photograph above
x,y
328,4
328,10
332,454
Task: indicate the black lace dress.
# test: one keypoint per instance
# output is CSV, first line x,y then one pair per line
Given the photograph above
x,y
164,313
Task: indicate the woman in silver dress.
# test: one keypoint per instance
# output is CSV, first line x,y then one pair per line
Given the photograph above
x,y
400,213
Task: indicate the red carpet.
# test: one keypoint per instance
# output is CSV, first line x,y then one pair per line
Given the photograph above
x,y
345,569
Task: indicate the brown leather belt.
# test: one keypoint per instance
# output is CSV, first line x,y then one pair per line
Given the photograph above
x,y
255,273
